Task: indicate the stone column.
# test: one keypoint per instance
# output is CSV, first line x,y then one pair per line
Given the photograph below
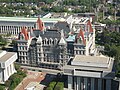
x,y
78,83
0,29
75,83
70,82
3,30
108,84
92,83
85,84
99,84
82,83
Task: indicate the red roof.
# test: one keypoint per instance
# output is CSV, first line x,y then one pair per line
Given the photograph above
x,y
81,33
90,26
25,33
40,24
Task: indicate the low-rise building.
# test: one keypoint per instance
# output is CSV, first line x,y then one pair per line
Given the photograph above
x,y
7,68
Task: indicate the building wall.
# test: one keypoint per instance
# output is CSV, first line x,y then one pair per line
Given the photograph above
x,y
88,83
7,68
45,54
22,52
14,27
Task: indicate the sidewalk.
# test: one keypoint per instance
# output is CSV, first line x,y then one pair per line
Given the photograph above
x,y
32,76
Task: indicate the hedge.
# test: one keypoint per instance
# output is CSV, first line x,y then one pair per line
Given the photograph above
x,y
49,88
59,86
55,86
52,84
2,87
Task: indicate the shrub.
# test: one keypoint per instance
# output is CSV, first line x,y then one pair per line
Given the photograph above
x,y
17,67
52,84
2,87
15,79
22,73
7,83
49,88
59,86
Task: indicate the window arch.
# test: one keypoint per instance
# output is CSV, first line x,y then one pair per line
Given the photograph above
x,y
55,41
45,41
50,41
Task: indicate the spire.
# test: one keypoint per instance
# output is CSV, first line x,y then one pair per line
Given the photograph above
x,y
39,39
90,26
62,40
25,33
40,24
82,35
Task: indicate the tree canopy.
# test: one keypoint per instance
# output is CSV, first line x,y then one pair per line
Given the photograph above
x,y
111,42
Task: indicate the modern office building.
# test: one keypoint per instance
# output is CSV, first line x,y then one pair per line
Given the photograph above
x,y
7,68
90,73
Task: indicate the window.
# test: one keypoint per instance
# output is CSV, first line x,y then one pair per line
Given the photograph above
x,y
76,52
55,41
50,41
45,41
61,56
80,52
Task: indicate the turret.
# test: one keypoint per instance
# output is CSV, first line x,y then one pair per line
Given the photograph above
x,y
40,49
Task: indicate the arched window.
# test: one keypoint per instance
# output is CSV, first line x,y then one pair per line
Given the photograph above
x,y
50,41
55,41
45,41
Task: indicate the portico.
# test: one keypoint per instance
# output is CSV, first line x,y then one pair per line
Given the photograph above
x,y
7,60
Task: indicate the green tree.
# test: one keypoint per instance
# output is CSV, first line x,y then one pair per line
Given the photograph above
x,y
2,87
59,86
49,88
52,84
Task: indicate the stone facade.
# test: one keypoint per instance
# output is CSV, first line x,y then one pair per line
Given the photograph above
x,y
7,68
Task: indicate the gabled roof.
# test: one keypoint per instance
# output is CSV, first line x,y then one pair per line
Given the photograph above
x,y
62,41
90,26
39,39
81,33
40,24
25,33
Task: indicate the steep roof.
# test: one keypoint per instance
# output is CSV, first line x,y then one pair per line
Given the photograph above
x,y
81,33
25,33
39,39
40,24
90,26
62,40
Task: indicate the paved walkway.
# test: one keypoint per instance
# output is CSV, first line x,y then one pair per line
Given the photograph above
x,y
50,71
32,76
